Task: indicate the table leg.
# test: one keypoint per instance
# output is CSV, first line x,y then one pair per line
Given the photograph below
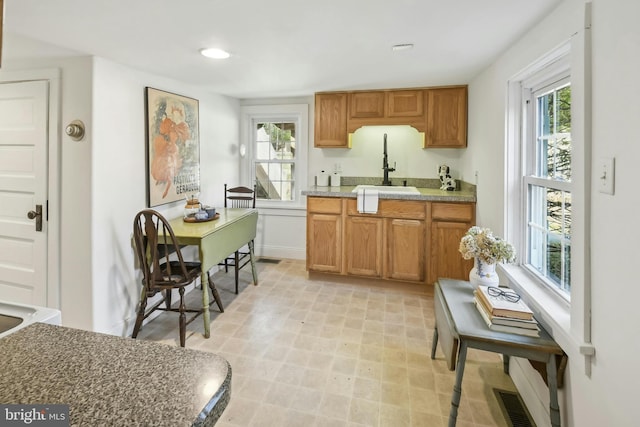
x,y
457,388
552,379
253,263
204,278
435,343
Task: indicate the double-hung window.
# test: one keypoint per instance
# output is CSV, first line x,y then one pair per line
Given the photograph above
x,y
547,182
275,155
274,164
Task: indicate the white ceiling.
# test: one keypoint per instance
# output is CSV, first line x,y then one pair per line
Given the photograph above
x,y
280,47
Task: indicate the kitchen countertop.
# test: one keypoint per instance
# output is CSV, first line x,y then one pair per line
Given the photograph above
x,y
109,380
426,194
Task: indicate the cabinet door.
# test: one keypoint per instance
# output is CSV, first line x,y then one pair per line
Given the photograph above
x,y
366,105
324,242
364,246
405,243
446,260
405,103
446,117
331,120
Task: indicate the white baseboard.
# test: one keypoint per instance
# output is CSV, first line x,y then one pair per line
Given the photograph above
x,y
281,252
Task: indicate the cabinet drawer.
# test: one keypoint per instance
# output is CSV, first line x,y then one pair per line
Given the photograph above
x,y
332,205
462,212
403,209
411,209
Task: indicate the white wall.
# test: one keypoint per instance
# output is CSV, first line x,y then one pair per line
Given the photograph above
x,y
607,398
118,175
102,180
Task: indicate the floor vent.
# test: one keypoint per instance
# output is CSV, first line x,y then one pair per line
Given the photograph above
x,y
513,409
269,260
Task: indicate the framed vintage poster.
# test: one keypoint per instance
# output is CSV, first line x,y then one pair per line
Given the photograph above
x,y
173,147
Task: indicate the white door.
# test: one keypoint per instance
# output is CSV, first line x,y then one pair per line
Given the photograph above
x,y
23,187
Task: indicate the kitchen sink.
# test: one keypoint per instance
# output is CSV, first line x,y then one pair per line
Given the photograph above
x,y
388,189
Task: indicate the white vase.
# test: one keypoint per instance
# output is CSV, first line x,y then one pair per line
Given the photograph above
x,y
483,273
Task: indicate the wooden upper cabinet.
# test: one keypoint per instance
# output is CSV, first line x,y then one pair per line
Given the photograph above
x,y
440,113
366,105
446,118
405,103
331,120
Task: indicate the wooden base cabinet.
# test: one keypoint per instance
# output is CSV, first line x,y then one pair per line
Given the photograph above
x,y
449,222
406,240
324,234
405,246
364,246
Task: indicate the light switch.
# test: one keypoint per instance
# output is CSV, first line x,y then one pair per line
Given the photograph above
x,y
605,175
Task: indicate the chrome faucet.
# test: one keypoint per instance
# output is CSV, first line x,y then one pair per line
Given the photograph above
x,y
385,164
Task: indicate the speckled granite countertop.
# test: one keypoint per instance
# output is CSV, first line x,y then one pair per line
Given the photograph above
x,y
113,381
429,190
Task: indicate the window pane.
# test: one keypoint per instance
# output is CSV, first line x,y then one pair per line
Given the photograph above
x,y
553,135
275,141
564,109
274,180
549,234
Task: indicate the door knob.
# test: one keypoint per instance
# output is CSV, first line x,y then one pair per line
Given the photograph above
x,y
37,215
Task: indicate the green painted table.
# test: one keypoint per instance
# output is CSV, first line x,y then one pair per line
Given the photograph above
x,y
459,326
217,239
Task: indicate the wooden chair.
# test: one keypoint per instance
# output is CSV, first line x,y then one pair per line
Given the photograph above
x,y
155,242
238,197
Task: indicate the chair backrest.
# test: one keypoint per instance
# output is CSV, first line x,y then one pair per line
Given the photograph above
x,y
154,242
239,197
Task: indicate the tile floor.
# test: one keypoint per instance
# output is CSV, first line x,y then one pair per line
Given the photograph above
x,y
329,353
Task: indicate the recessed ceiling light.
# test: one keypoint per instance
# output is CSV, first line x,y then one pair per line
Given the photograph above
x,y
403,46
215,53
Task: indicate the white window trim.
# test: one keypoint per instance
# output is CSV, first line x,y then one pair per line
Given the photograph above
x,y
297,112
568,323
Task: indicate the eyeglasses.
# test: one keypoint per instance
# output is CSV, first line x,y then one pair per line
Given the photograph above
x,y
507,295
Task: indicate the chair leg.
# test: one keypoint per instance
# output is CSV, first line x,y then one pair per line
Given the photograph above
x,y
237,269
167,298
183,318
226,266
253,263
216,295
140,317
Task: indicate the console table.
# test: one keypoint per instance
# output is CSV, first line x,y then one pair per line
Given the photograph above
x,y
459,326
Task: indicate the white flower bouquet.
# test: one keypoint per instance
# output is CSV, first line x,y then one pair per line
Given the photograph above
x,y
482,244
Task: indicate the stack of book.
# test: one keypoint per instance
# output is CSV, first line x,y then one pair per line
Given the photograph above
x,y
503,315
